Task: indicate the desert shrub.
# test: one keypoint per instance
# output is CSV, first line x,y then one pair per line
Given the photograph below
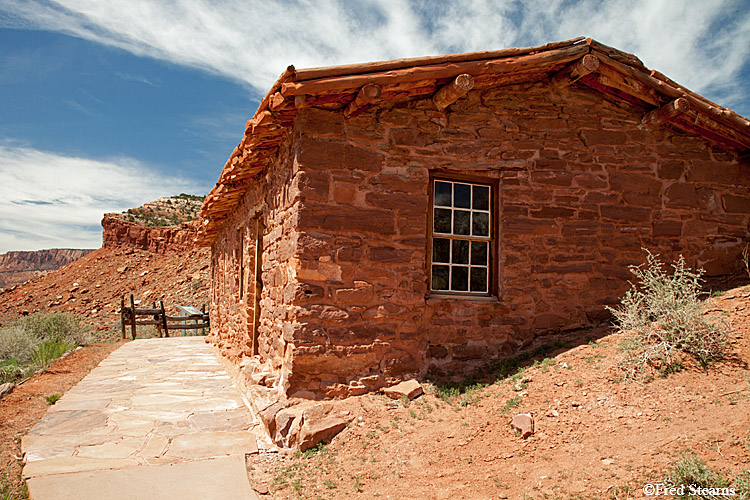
x,y
17,344
665,316
692,474
742,483
35,341
57,326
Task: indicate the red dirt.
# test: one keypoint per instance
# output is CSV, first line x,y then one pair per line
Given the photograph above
x,y
596,437
105,274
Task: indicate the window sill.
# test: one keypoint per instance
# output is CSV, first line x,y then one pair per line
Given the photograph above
x,y
433,298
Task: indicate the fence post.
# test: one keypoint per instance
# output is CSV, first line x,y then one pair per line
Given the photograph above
x,y
132,315
122,315
164,319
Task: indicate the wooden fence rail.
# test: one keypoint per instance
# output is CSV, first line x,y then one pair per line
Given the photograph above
x,y
158,317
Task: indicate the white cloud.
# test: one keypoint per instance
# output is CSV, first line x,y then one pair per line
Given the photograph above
x,y
702,44
53,201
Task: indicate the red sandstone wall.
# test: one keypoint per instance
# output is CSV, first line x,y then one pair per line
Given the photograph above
x,y
274,198
582,190
120,233
344,305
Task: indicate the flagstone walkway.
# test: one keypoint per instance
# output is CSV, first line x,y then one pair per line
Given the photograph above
x,y
157,419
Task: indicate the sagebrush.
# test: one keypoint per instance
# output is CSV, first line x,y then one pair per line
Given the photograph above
x,y
34,341
665,317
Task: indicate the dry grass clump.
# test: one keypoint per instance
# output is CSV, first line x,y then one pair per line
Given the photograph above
x,y
33,342
665,319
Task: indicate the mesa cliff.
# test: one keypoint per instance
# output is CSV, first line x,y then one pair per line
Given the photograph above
x,y
119,233
18,267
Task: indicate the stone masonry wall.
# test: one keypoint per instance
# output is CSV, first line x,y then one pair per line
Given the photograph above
x,y
582,191
273,199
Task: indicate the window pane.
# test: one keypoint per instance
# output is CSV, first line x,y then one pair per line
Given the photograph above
x,y
481,199
460,278
442,221
442,194
461,221
460,252
481,226
479,253
462,194
441,250
440,277
478,279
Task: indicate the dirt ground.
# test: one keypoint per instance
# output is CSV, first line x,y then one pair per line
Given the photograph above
x,y
23,407
91,286
597,436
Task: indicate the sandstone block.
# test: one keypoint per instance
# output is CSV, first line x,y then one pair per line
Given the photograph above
x,y
321,123
408,388
552,178
524,424
717,172
736,204
465,352
625,213
320,431
670,169
409,137
603,137
328,155
362,293
352,219
667,228
288,421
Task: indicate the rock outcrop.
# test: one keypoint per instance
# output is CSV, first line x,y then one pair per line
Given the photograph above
x,y
120,233
19,267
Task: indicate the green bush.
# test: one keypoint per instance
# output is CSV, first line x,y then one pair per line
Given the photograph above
x,y
665,316
58,327
35,341
17,344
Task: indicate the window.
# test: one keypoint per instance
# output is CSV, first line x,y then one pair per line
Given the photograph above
x,y
461,237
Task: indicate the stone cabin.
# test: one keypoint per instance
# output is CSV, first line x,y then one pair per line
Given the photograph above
x,y
422,217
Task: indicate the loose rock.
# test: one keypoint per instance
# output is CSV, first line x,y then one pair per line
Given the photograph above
x,y
408,388
524,424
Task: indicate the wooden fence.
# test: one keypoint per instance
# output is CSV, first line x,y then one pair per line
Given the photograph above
x,y
158,317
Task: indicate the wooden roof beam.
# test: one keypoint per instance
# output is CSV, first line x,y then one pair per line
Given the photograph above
x,y
538,61
365,97
665,113
574,72
453,91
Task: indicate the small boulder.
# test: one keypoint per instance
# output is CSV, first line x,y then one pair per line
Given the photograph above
x,y
524,424
320,431
408,388
6,388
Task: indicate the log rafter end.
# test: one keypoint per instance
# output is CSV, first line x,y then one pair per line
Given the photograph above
x,y
573,72
665,113
367,95
453,91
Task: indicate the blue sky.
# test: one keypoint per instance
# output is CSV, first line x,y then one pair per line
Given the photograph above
x,y
107,104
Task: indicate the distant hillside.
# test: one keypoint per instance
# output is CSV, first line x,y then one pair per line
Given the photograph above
x,y
164,212
148,251
20,267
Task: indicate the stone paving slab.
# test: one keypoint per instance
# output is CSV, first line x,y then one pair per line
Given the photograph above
x,y
206,479
154,413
